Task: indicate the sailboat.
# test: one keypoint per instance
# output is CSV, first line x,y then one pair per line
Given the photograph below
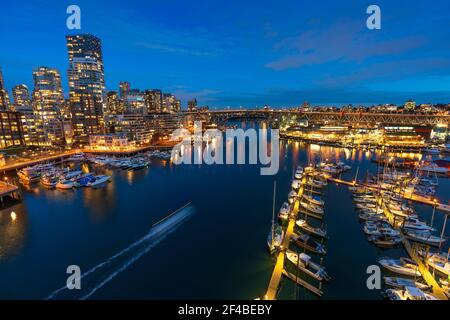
x,y
276,234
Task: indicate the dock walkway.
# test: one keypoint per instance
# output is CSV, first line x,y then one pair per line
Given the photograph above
x,y
278,270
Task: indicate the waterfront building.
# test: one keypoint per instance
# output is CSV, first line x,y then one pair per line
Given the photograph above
x,y
48,102
135,102
21,96
170,104
192,105
4,98
133,125
153,100
114,105
402,136
11,131
86,85
110,142
163,123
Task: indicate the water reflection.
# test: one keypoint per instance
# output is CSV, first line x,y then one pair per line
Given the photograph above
x,y
13,230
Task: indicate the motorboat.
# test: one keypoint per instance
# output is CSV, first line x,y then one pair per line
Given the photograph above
x,y
84,180
303,262
292,196
441,264
305,241
409,293
403,266
424,237
385,241
49,181
29,175
284,211
416,224
303,224
296,184
65,184
99,181
401,283
298,173
314,199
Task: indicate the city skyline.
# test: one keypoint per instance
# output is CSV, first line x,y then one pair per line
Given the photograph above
x,y
321,56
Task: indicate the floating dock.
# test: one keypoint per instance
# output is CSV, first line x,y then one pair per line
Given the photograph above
x,y
407,196
303,283
9,190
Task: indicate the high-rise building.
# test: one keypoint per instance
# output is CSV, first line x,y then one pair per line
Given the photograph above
x,y
21,96
135,102
4,98
124,89
11,133
170,103
113,103
48,103
153,101
86,85
192,105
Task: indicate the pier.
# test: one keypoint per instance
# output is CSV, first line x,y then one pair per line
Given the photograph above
x,y
422,266
407,196
9,190
278,270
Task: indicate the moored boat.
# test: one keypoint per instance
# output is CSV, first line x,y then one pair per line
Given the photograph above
x,y
305,226
403,266
303,262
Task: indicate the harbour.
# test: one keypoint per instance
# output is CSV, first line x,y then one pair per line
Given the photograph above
x,y
250,265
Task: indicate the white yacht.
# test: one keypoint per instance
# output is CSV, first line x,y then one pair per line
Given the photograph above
x,y
403,266
303,262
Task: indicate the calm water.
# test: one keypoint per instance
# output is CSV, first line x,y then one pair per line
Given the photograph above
x,y
218,252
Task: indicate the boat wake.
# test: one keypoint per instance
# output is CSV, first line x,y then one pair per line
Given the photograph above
x,y
99,275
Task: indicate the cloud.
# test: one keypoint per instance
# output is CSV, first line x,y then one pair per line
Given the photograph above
x,y
175,49
342,42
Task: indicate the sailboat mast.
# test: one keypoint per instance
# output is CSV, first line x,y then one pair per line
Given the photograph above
x,y
273,210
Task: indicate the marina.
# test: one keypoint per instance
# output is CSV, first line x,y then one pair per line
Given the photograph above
x,y
304,227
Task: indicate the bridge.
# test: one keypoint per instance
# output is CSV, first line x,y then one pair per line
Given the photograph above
x,y
323,117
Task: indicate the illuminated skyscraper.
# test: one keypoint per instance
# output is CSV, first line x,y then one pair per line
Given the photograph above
x,y
4,98
153,101
86,85
113,104
48,102
21,96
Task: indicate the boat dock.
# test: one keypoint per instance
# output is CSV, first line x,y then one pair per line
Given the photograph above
x,y
278,270
407,196
9,190
423,268
303,283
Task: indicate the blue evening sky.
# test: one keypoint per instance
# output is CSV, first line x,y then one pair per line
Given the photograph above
x,y
245,53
